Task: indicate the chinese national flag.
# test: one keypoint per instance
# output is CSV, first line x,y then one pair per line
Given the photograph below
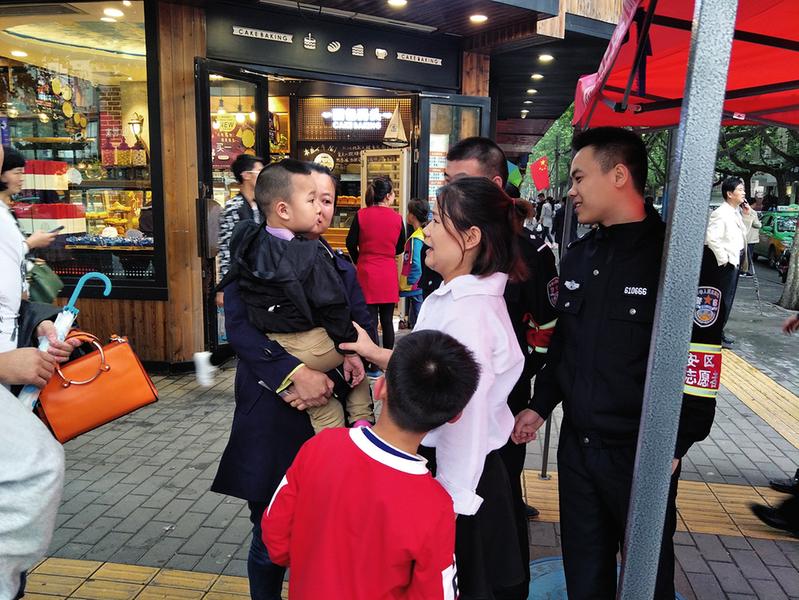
x,y
539,171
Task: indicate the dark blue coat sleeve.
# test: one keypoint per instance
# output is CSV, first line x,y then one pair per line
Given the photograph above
x,y
265,358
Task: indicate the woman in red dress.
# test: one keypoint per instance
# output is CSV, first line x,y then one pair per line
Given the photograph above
x,y
375,239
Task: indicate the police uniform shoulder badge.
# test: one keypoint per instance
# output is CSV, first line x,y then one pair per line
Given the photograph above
x,y
552,291
708,305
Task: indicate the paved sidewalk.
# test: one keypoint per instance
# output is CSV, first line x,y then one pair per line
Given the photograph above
x,y
137,489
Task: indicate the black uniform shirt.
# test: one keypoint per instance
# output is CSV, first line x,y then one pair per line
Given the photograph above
x,y
599,352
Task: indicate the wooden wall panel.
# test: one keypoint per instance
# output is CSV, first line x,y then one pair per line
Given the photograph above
x,y
476,70
181,39
608,11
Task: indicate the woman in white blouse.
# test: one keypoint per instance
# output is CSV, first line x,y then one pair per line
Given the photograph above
x,y
472,240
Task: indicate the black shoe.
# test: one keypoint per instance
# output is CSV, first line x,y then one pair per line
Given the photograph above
x,y
772,518
531,511
786,486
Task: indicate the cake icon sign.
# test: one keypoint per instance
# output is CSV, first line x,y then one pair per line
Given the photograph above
x,y
357,50
381,54
309,42
333,47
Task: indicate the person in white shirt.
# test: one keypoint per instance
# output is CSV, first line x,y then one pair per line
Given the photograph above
x,y
546,218
472,240
726,238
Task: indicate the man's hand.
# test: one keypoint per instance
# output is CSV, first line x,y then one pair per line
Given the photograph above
x,y
40,239
528,422
59,350
791,325
309,388
353,369
220,299
26,365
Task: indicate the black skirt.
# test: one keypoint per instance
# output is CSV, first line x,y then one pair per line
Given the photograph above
x,y
490,563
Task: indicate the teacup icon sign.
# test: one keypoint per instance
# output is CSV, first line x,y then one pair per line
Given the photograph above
x,y
381,54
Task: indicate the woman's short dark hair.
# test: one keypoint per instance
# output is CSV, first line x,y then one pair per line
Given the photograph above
x,y
419,209
478,202
729,184
12,159
378,190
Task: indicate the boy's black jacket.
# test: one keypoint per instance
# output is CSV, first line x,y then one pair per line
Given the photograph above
x,y
288,286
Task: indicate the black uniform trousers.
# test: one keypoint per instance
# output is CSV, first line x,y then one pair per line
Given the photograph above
x,y
594,482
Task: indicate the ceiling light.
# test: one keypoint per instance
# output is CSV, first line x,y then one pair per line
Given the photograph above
x,y
528,101
524,114
127,2
19,53
397,3
108,19
536,76
545,58
478,18
113,12
215,77
532,91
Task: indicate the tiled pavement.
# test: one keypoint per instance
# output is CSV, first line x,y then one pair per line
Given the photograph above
x,y
137,489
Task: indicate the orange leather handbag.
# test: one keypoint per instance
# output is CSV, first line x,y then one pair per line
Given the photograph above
x,y
95,389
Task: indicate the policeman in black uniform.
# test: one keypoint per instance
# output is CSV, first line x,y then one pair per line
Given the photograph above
x,y
531,306
598,357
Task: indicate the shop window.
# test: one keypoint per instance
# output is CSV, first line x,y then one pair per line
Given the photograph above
x,y
74,101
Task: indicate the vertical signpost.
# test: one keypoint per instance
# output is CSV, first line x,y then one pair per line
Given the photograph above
x,y
692,177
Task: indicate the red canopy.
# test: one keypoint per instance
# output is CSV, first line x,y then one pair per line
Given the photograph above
x,y
762,84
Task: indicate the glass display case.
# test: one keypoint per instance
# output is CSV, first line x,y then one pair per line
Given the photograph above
x,y
395,164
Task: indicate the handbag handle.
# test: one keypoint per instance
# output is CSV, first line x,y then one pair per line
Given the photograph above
x,y
104,366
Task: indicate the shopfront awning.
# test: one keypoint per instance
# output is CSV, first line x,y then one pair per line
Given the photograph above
x,y
640,81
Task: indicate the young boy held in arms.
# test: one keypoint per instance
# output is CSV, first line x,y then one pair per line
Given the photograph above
x,y
292,290
386,530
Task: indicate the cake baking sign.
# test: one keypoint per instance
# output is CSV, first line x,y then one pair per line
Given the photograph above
x,y
262,34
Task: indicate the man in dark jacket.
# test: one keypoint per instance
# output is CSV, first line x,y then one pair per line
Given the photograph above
x,y
558,222
598,358
268,430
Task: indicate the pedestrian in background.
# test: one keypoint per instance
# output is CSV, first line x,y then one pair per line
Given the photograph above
x,y
240,207
726,238
411,273
375,239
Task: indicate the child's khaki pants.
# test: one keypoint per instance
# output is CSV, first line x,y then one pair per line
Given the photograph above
x,y
317,351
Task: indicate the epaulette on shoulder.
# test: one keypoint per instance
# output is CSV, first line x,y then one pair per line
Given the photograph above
x,y
581,239
536,240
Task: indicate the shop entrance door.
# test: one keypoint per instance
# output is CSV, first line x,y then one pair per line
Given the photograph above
x,y
231,111
444,122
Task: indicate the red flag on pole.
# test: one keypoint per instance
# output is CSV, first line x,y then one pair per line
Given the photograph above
x,y
539,171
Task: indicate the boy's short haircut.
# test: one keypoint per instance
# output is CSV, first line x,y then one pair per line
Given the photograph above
x,y
274,182
419,208
244,163
613,146
486,152
430,378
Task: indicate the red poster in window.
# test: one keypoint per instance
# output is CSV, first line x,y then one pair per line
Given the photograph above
x,y
229,138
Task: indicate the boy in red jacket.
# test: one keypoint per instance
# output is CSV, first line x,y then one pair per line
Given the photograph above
x,y
358,515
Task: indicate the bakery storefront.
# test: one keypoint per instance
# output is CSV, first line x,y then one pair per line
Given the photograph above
x,y
130,114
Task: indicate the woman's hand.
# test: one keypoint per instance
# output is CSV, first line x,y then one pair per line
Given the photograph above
x,y
40,239
59,350
367,348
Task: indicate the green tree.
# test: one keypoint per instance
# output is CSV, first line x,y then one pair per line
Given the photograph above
x,y
556,146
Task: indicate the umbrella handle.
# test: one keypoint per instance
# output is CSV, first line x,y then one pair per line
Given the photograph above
x,y
79,287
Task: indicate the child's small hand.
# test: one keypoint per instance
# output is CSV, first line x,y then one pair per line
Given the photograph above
x,y
353,369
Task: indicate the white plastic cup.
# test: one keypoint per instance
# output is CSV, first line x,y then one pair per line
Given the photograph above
x,y
203,369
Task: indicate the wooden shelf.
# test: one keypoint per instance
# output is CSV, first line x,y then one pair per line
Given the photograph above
x,y
117,184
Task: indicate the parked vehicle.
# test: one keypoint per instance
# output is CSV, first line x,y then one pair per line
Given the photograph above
x,y
776,233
